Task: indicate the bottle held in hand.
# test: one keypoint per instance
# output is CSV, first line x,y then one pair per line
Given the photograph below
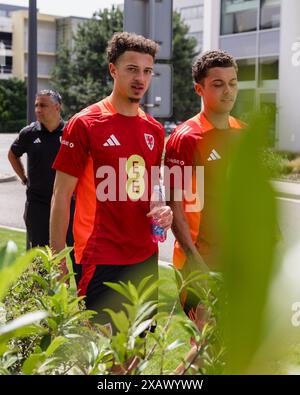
x,y
157,200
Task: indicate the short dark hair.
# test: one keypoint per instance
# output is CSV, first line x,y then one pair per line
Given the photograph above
x,y
210,59
124,41
49,92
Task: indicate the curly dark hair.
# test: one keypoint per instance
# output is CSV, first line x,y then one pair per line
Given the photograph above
x,y
124,41
210,59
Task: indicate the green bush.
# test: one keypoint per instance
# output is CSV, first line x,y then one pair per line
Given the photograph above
x,y
45,328
275,163
12,126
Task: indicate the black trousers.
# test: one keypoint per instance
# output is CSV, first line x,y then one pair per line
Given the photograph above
x,y
37,217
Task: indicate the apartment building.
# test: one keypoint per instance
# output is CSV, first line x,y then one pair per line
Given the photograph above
x,y
6,40
52,31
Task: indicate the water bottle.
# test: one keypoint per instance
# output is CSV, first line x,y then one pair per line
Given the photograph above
x,y
157,200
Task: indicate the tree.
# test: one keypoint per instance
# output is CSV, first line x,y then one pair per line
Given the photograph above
x,y
12,100
82,77
12,105
185,101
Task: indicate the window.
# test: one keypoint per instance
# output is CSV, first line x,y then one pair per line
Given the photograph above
x,y
268,69
246,69
6,38
197,35
245,104
192,12
239,16
6,65
270,14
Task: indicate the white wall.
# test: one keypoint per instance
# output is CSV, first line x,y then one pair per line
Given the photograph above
x,y
211,33
289,76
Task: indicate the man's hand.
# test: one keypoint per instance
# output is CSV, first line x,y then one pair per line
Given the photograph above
x,y
163,215
195,263
64,270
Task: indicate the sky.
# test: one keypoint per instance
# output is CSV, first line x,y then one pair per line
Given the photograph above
x,y
83,8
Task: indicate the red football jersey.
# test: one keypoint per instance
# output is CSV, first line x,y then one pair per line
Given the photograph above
x,y
198,144
112,156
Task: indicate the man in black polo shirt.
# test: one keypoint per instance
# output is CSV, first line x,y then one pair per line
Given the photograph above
x,y
40,141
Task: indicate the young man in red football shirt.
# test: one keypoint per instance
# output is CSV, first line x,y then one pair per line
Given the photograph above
x,y
107,154
202,142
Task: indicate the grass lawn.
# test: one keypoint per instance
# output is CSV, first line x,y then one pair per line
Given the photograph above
x,y
18,237
167,295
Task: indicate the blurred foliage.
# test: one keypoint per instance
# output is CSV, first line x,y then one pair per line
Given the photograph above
x,y
249,230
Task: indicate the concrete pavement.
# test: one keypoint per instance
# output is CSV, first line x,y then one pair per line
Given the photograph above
x,y
6,172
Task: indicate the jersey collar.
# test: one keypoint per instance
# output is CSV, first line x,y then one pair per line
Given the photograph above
x,y
206,125
40,127
108,109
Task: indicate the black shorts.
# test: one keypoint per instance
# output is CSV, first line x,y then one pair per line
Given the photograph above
x,y
100,296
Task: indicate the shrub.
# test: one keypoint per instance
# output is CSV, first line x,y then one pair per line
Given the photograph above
x,y
46,329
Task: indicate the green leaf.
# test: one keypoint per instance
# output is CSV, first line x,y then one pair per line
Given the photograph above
x,y
120,288
142,327
3,348
55,344
39,279
45,258
10,274
119,319
8,254
32,363
148,292
48,365
22,321
143,283
177,343
61,255
145,311
45,342
133,292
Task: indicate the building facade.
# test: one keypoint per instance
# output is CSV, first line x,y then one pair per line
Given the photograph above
x,y
250,31
192,13
52,31
264,37
65,29
6,40
46,46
